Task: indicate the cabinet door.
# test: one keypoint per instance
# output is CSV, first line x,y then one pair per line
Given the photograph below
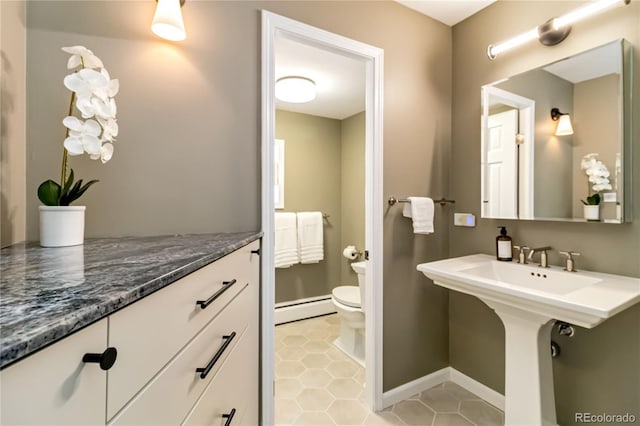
x,y
54,387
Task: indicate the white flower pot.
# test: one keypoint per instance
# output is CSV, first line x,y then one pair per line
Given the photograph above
x,y
592,212
61,226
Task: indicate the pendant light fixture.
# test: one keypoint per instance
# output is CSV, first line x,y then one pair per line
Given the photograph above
x,y
167,21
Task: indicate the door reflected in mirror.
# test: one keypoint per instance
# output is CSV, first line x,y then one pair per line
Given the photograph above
x,y
544,130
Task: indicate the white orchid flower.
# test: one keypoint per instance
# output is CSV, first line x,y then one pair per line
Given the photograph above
x,y
87,82
596,171
83,136
91,106
80,55
109,129
106,152
85,107
114,85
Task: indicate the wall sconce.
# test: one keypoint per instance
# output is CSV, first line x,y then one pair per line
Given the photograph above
x,y
564,126
296,90
554,30
167,21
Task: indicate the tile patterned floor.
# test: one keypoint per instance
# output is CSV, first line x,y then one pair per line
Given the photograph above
x,y
317,384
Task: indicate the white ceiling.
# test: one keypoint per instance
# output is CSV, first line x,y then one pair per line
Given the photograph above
x,y
449,12
339,78
598,62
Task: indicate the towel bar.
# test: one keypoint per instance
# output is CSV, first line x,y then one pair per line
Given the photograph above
x,y
442,201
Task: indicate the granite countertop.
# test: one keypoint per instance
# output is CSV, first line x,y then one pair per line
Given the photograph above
x,y
48,293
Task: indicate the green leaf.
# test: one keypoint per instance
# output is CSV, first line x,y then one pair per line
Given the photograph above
x,y
77,194
67,198
49,193
593,200
67,185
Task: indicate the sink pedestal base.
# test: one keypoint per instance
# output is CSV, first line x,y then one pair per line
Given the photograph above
x,y
529,395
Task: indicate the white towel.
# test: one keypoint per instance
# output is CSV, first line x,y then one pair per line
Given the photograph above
x,y
420,209
286,240
310,237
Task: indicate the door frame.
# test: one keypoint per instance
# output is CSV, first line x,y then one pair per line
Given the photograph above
x,y
373,57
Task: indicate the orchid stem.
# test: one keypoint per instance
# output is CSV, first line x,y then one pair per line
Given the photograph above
x,y
63,176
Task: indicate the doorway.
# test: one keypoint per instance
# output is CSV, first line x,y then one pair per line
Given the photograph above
x,y
274,26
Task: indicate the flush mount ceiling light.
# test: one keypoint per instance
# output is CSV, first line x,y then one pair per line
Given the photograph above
x,y
554,30
295,89
564,126
167,21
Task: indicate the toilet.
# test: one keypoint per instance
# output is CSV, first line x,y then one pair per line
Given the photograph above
x,y
349,302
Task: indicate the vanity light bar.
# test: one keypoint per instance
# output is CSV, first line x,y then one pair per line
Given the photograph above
x,y
555,30
495,50
585,12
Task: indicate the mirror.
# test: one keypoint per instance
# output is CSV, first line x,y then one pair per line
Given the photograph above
x,y
554,140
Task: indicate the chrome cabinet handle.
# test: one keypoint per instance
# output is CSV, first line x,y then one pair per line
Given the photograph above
x,y
204,371
106,359
229,417
225,286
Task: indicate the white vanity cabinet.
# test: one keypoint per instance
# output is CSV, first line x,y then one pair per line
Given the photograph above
x,y
188,352
54,385
163,340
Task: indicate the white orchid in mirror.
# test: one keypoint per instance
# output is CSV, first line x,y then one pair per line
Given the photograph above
x,y
93,132
598,176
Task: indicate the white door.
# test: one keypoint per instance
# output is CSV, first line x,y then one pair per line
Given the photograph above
x,y
501,178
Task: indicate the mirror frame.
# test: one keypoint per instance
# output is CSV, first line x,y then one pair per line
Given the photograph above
x,y
626,127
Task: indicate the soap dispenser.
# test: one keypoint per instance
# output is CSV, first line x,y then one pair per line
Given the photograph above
x,y
503,246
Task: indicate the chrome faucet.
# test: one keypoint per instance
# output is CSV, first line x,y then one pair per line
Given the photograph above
x,y
522,257
543,255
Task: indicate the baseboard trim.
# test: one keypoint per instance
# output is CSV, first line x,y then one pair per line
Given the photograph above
x,y
407,390
303,308
483,391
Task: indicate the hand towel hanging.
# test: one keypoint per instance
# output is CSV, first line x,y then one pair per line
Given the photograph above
x,y
310,237
420,210
286,240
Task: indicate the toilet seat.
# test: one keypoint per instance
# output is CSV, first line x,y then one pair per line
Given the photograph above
x,y
348,295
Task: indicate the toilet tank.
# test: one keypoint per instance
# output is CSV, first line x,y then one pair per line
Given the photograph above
x,y
360,269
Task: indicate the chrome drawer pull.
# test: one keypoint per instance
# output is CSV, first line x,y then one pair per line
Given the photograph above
x,y
229,417
225,286
205,370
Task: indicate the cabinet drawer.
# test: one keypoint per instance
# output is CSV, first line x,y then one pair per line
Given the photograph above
x,y
150,332
171,394
54,386
235,387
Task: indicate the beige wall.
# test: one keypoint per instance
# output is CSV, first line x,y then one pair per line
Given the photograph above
x,y
188,155
312,182
13,142
596,129
324,171
352,190
598,369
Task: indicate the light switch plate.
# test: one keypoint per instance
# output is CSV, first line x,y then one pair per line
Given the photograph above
x,y
464,219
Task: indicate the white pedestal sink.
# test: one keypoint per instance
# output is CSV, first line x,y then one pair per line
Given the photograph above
x,y
528,299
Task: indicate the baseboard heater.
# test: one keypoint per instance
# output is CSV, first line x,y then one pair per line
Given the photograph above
x,y
295,310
